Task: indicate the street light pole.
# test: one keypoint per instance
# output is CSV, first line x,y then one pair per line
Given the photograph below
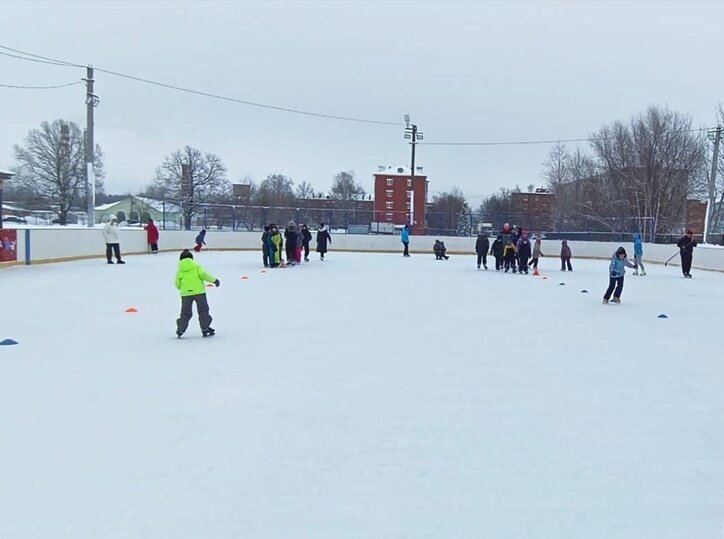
x,y
715,135
413,135
91,101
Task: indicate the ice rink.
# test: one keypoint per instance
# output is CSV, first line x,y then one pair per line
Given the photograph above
x,y
366,396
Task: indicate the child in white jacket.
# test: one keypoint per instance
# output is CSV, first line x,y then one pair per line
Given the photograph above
x,y
110,235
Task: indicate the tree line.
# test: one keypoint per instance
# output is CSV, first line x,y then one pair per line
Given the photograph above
x,y
50,174
635,175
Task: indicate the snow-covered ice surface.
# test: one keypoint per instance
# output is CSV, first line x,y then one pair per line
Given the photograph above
x,y
366,396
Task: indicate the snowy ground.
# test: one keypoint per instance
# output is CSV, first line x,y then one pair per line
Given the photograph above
x,y
368,396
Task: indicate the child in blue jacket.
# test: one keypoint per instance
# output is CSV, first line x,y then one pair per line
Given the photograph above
x,y
638,254
616,270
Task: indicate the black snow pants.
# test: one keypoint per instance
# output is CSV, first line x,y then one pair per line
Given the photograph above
x,y
202,308
614,283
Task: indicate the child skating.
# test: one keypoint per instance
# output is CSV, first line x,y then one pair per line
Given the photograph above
x,y
200,241
536,254
638,254
565,256
190,279
616,270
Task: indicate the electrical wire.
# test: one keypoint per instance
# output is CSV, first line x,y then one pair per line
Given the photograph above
x,y
21,87
246,102
53,61
505,143
37,57
528,142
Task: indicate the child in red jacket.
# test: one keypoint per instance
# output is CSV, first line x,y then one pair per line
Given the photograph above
x,y
152,235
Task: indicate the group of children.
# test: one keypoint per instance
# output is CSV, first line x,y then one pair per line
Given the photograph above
x,y
513,251
293,242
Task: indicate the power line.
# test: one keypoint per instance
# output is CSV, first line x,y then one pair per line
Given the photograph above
x,y
527,142
506,143
21,87
246,102
37,57
32,59
53,61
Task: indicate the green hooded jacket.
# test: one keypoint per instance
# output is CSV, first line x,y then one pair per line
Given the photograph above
x,y
190,278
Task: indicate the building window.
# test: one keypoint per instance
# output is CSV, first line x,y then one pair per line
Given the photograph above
x,y
409,206
389,182
409,182
389,205
409,195
389,193
388,216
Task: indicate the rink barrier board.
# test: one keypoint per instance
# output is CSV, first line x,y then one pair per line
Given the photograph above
x,y
49,245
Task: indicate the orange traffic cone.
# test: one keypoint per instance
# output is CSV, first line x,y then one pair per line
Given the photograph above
x,y
536,273
131,310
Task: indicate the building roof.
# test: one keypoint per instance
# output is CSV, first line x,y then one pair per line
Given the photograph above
x,y
397,171
156,205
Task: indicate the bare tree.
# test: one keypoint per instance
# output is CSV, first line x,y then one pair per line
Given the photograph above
x,y
206,179
276,190
345,190
50,166
304,191
649,166
444,212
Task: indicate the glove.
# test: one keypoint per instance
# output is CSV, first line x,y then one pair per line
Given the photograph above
x,y
217,283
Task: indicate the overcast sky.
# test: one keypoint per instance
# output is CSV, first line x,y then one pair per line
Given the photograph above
x,y
467,71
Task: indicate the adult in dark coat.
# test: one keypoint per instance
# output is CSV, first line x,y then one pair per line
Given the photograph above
x,y
306,238
265,245
497,251
686,249
290,239
482,244
323,238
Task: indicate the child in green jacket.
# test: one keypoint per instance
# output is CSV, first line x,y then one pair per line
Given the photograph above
x,y
190,279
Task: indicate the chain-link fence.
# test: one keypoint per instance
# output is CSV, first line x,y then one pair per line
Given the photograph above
x,y
362,220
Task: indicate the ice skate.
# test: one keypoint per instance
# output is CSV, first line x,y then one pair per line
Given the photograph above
x,y
605,301
209,332
616,300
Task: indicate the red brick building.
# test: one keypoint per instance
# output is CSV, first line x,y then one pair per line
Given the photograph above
x,y
695,216
401,199
535,210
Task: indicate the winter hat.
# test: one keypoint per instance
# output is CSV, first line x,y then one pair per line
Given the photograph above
x,y
266,228
112,218
620,251
185,254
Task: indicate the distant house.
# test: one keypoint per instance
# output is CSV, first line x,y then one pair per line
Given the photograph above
x,y
134,210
